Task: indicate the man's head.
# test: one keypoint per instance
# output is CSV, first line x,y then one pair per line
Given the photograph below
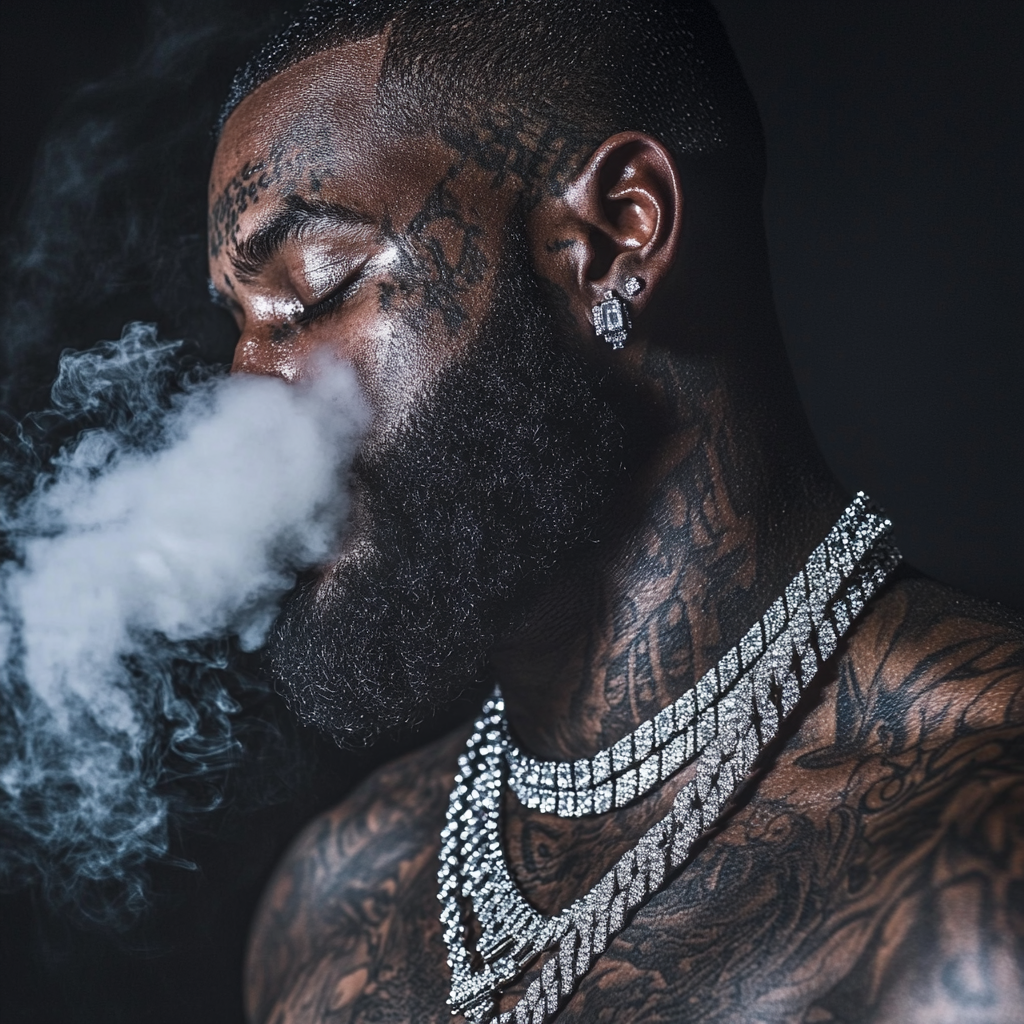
x,y
534,86
439,193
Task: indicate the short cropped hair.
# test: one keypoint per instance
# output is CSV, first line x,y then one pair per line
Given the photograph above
x,y
531,87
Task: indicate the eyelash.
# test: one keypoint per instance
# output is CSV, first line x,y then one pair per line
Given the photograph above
x,y
324,307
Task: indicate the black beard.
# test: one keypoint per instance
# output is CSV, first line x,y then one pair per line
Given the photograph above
x,y
503,472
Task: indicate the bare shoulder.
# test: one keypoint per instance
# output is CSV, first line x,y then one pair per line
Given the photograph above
x,y
876,873
351,880
935,665
926,763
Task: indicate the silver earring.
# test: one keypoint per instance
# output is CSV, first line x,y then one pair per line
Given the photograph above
x,y
611,316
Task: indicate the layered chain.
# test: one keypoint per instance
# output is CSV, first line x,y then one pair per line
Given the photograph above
x,y
732,714
641,761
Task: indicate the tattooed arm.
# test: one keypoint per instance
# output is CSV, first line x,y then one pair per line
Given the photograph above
x,y
343,920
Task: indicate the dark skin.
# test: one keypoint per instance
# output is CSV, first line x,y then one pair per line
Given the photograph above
x,y
872,869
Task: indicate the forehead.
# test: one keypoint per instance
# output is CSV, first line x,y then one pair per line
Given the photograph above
x,y
315,126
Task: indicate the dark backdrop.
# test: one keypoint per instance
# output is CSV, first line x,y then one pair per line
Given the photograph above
x,y
895,222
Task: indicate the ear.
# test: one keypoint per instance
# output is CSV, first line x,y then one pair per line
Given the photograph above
x,y
620,217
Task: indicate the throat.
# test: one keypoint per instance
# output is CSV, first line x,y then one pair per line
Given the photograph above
x,y
618,638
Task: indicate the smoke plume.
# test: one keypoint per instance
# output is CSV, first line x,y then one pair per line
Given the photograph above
x,y
175,517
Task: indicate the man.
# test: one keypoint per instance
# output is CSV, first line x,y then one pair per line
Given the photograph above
x,y
535,232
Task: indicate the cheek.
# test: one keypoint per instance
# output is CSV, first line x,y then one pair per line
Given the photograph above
x,y
396,362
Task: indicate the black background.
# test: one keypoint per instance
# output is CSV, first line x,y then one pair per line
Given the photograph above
x,y
894,216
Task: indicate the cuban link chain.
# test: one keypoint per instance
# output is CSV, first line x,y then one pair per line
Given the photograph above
x,y
641,761
737,709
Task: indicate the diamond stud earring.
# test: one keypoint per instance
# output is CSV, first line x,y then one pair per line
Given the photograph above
x,y
611,315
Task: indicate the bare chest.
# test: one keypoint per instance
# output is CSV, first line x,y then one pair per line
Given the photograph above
x,y
873,874
768,922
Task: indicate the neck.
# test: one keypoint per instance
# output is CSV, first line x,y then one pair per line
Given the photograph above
x,y
732,501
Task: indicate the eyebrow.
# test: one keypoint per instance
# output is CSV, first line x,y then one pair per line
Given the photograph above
x,y
252,254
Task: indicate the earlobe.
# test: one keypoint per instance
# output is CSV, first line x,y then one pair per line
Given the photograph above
x,y
622,215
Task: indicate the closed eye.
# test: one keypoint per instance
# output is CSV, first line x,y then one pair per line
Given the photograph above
x,y
325,306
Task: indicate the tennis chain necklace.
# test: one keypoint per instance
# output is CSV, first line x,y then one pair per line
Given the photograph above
x,y
721,726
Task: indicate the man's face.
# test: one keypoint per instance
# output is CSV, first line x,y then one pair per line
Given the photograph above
x,y
492,450
332,235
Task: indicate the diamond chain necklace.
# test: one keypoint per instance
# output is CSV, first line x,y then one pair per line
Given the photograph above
x,y
721,726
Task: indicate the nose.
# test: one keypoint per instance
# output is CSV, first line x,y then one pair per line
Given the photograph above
x,y
257,354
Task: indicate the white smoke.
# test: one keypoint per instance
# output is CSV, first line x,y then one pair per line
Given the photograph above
x,y
178,519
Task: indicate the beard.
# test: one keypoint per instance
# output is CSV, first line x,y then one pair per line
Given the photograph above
x,y
499,477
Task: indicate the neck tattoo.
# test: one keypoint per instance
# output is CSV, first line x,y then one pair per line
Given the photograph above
x,y
720,726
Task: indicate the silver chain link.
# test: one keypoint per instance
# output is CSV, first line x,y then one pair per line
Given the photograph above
x,y
721,726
